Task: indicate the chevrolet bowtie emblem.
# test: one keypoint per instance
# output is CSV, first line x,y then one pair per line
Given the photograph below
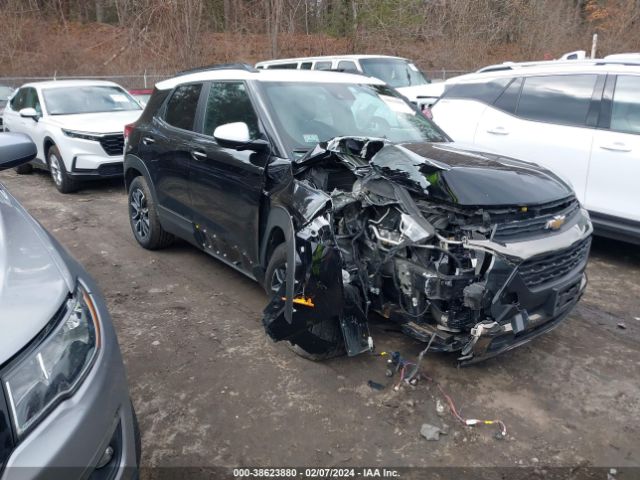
x,y
556,222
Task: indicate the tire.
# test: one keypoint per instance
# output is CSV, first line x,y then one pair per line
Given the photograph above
x,y
24,169
143,217
61,179
328,332
136,433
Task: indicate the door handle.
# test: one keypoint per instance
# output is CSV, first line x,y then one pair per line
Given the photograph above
x,y
498,131
616,147
198,155
148,140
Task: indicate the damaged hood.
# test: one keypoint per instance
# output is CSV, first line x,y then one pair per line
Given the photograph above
x,y
449,173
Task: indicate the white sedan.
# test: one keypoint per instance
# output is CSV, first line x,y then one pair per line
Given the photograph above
x,y
77,126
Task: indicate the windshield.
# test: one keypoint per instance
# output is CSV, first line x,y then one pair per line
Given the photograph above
x,y
396,72
87,99
308,113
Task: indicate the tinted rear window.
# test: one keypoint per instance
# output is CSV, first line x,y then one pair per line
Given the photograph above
x,y
182,106
284,66
153,105
322,66
486,92
563,99
508,100
625,116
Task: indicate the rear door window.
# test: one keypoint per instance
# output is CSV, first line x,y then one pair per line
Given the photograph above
x,y
284,66
625,114
182,106
561,99
347,66
229,102
322,66
508,100
485,92
305,66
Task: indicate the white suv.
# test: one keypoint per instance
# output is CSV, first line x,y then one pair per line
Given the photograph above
x,y
581,120
77,125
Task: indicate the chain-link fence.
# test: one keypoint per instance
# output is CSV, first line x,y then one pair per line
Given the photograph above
x,y
149,80
442,74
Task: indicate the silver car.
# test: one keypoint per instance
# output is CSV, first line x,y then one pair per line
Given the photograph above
x,y
65,410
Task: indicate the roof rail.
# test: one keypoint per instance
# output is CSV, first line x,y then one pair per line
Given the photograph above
x,y
587,61
223,66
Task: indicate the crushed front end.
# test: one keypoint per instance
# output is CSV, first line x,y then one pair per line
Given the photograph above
x,y
402,233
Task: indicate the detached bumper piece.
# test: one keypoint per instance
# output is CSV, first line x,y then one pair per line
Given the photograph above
x,y
534,307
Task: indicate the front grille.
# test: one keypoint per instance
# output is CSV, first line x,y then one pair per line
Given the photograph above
x,y
546,268
113,144
110,169
531,227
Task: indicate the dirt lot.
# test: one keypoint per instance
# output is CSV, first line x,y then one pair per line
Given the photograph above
x,y
211,389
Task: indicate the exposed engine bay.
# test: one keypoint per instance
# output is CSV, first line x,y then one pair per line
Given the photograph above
x,y
383,228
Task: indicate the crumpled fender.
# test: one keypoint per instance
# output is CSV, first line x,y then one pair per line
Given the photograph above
x,y
318,292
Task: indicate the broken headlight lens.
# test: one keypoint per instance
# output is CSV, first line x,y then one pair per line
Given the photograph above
x,y
51,370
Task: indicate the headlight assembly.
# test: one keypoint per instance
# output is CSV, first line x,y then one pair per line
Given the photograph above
x,y
82,135
50,371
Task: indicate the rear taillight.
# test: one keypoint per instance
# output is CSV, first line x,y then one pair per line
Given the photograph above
x,y
128,129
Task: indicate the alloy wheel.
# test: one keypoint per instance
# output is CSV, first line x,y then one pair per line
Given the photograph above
x,y
278,278
139,212
56,170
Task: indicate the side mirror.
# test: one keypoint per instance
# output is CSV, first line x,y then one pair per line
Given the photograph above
x,y
233,134
16,149
29,113
236,135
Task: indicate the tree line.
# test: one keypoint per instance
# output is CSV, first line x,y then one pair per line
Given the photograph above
x,y
436,33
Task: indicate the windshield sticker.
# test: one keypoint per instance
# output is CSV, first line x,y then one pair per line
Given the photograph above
x,y
413,67
311,138
118,97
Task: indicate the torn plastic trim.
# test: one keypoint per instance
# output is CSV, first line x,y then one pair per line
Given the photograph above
x,y
478,347
316,276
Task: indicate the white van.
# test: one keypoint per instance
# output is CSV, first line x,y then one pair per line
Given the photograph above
x,y
399,73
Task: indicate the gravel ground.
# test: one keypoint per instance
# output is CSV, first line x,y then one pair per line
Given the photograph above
x,y
211,389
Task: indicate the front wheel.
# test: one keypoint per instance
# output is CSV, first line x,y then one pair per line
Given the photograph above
x,y
62,180
320,341
143,217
